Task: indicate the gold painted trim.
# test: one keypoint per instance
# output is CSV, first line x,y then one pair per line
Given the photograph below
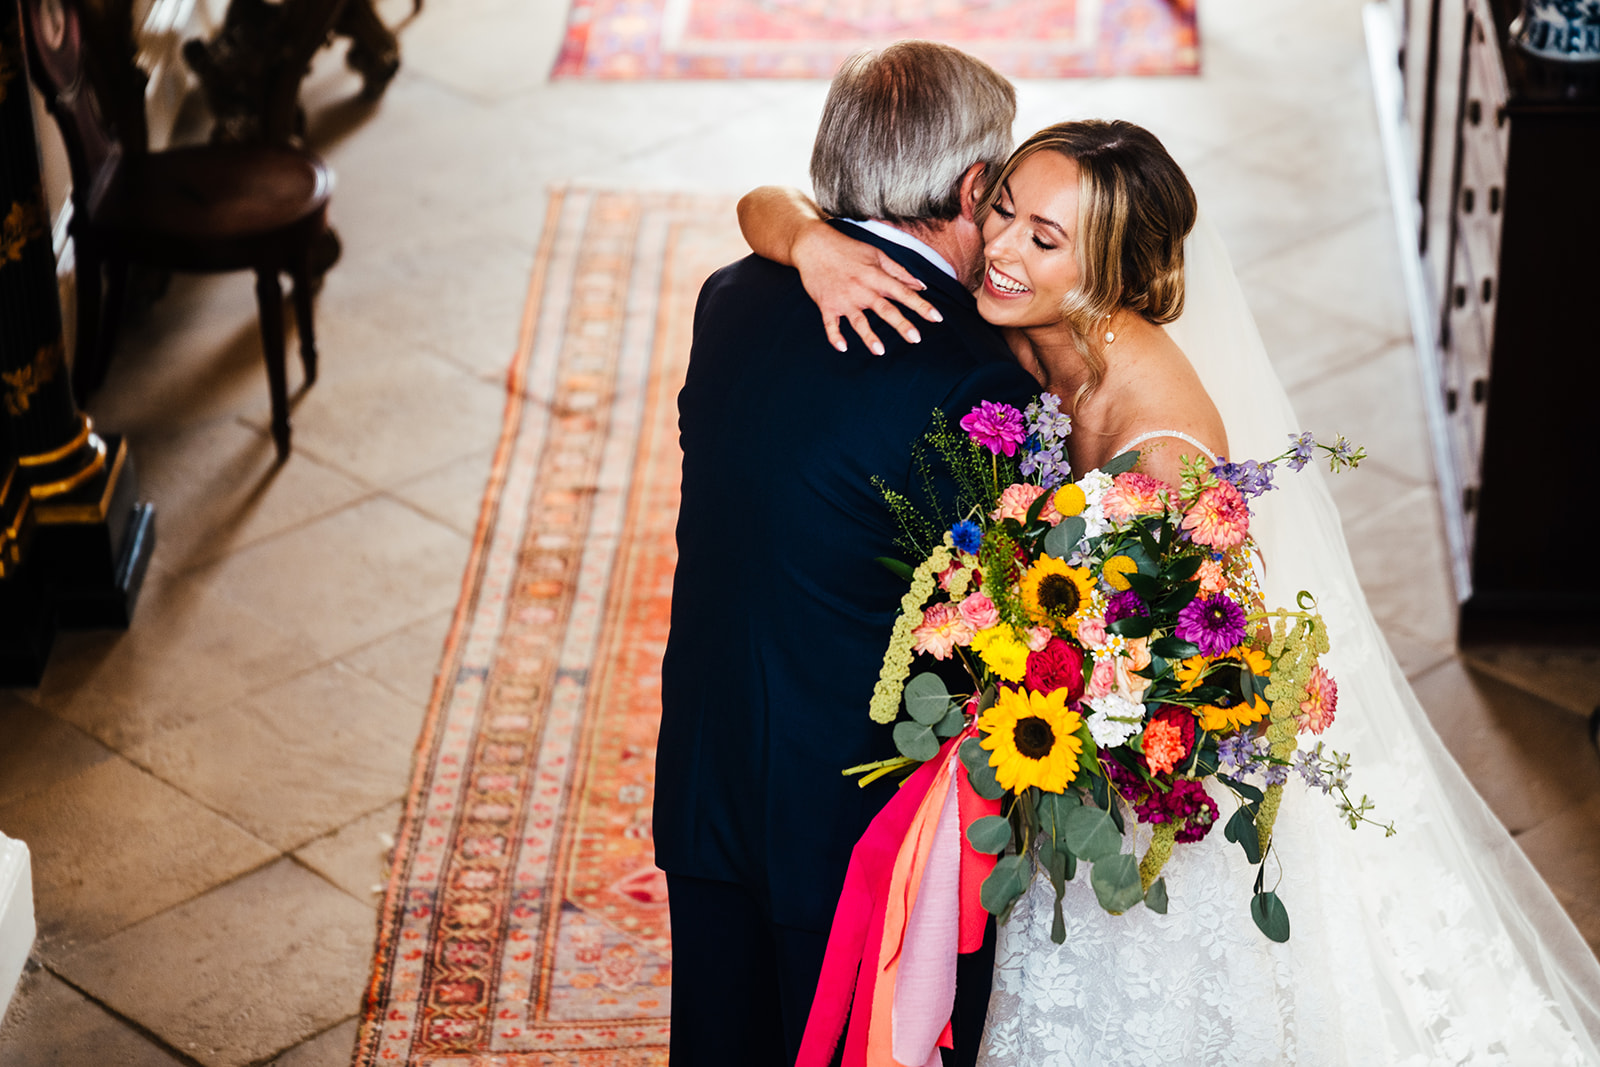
x,y
72,481
39,459
64,514
12,537
28,379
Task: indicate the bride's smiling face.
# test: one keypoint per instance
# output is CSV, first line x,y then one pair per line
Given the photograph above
x,y
1030,255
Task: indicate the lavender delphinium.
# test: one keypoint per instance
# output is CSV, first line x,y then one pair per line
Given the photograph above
x,y
1250,478
1044,451
1304,446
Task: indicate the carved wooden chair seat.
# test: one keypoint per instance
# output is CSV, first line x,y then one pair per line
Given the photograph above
x,y
204,208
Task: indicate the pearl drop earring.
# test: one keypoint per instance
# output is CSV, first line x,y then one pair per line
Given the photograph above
x,y
1109,335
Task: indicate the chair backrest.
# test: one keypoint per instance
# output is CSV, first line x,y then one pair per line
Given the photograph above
x,y
61,62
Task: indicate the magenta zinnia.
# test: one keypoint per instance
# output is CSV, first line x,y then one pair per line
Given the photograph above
x,y
997,427
1215,623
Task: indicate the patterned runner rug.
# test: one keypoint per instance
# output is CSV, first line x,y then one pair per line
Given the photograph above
x,y
525,922
807,38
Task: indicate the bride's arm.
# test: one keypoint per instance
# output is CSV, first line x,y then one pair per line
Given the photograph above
x,y
845,277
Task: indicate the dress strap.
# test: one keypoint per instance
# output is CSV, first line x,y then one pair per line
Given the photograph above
x,y
1154,434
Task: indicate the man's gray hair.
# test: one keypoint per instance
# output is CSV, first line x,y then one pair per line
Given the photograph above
x,y
901,127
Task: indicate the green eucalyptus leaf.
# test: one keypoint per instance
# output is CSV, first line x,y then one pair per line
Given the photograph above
x,y
1116,882
898,568
990,834
979,774
1155,897
1053,810
915,741
954,721
1004,885
1270,915
1252,795
927,698
1091,834
1241,829
1063,538
1121,463
1173,648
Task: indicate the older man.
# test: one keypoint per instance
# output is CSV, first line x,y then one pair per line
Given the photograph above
x,y
780,615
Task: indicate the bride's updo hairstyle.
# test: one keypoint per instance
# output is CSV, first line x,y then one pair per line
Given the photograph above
x,y
1135,207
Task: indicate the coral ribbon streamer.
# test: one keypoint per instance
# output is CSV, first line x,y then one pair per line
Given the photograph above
x,y
861,989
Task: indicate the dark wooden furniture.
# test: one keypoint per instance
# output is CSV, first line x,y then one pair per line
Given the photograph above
x,y
205,208
1507,164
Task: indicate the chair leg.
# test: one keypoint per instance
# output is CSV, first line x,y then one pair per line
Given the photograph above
x,y
269,296
303,323
87,372
116,294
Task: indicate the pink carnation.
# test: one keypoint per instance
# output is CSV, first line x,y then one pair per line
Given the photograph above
x,y
941,631
1132,493
979,611
1015,500
1219,517
1322,700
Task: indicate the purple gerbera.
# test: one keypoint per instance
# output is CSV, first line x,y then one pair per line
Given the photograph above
x,y
1125,604
1215,623
997,427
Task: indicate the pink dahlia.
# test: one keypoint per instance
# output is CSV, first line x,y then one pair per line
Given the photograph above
x,y
1322,700
997,427
1132,493
979,611
1015,500
941,631
1219,517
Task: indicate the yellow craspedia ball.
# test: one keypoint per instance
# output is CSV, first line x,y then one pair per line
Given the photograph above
x,y
1069,500
1116,571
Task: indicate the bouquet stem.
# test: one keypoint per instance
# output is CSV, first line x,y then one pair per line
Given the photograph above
x,y
1156,857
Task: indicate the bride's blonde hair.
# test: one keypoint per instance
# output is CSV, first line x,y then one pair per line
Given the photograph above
x,y
1135,207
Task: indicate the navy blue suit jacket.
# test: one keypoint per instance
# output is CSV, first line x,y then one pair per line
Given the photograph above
x,y
780,616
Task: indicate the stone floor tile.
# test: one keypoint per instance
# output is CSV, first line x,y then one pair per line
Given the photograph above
x,y
1308,340
1415,656
359,574
37,750
218,486
50,1024
295,761
1567,677
1565,849
240,974
1377,404
1340,270
355,857
331,1048
1529,759
189,651
477,285
456,52
1366,491
383,421
1399,556
115,845
453,493
407,660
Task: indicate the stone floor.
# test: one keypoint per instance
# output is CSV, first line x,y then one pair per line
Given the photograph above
x,y
208,796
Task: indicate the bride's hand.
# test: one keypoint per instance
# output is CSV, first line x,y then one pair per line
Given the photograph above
x,y
847,278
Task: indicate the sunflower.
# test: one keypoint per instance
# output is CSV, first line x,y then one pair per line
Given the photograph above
x,y
1229,713
1055,592
1032,738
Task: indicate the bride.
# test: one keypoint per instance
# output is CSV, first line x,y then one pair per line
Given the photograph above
x,y
1440,945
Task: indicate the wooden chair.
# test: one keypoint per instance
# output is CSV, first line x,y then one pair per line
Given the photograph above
x,y
205,208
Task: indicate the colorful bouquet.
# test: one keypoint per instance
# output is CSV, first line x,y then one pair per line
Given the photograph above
x,y
1119,659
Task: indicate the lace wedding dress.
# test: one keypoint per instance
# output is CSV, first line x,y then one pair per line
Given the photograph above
x,y
1440,945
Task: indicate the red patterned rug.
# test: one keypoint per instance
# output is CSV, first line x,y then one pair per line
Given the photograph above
x,y
623,39
525,921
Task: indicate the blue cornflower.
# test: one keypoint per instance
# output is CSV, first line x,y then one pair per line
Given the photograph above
x,y
1304,445
967,536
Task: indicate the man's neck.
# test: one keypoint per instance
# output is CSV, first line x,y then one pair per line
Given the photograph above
x,y
949,240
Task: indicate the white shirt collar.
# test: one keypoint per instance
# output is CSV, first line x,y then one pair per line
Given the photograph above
x,y
905,240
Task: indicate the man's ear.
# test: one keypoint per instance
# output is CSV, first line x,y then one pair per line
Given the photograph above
x,y
972,184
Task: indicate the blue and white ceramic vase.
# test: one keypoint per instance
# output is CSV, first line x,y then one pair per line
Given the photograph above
x,y
1560,31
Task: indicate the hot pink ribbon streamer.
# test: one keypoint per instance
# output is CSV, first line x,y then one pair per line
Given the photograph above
x,y
844,1002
